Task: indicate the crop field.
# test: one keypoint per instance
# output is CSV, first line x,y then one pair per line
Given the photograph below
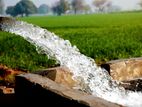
x,y
103,37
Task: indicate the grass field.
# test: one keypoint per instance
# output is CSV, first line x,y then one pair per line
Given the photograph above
x,y
103,37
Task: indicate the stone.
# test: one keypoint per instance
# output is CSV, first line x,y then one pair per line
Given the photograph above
x,y
124,70
6,20
128,72
36,89
5,90
61,75
7,76
7,84
133,85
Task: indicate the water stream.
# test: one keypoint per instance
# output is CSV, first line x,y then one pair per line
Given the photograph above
x,y
91,78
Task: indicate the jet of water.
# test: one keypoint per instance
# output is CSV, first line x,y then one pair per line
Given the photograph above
x,y
90,78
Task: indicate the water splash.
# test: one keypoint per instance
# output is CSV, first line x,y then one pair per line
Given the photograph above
x,y
90,77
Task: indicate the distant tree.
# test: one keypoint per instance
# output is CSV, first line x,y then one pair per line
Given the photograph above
x,y
77,5
100,4
1,7
57,8
115,8
60,7
64,6
87,8
109,6
25,7
140,3
10,10
43,9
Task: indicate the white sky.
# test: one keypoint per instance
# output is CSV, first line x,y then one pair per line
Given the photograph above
x,y
127,4
124,4
36,2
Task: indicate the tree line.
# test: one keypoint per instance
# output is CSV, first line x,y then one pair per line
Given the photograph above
x,y
27,7
24,8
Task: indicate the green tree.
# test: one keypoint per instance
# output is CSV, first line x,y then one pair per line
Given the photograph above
x,y
43,9
10,10
1,7
64,6
77,5
57,8
87,9
100,4
25,7
140,3
61,7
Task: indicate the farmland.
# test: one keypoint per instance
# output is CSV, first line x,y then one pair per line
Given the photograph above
x,y
103,37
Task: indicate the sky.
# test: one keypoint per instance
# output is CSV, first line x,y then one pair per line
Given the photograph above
x,y
127,4
124,4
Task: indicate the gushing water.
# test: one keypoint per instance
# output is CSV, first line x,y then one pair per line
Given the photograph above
x,y
91,78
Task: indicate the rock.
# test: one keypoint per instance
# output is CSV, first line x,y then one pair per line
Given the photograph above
x,y
5,90
133,85
128,72
124,70
36,89
61,75
7,84
4,20
7,76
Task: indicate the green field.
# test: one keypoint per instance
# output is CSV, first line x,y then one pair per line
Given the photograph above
x,y
103,37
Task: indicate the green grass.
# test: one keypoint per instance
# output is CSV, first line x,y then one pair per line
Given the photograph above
x,y
17,53
103,37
